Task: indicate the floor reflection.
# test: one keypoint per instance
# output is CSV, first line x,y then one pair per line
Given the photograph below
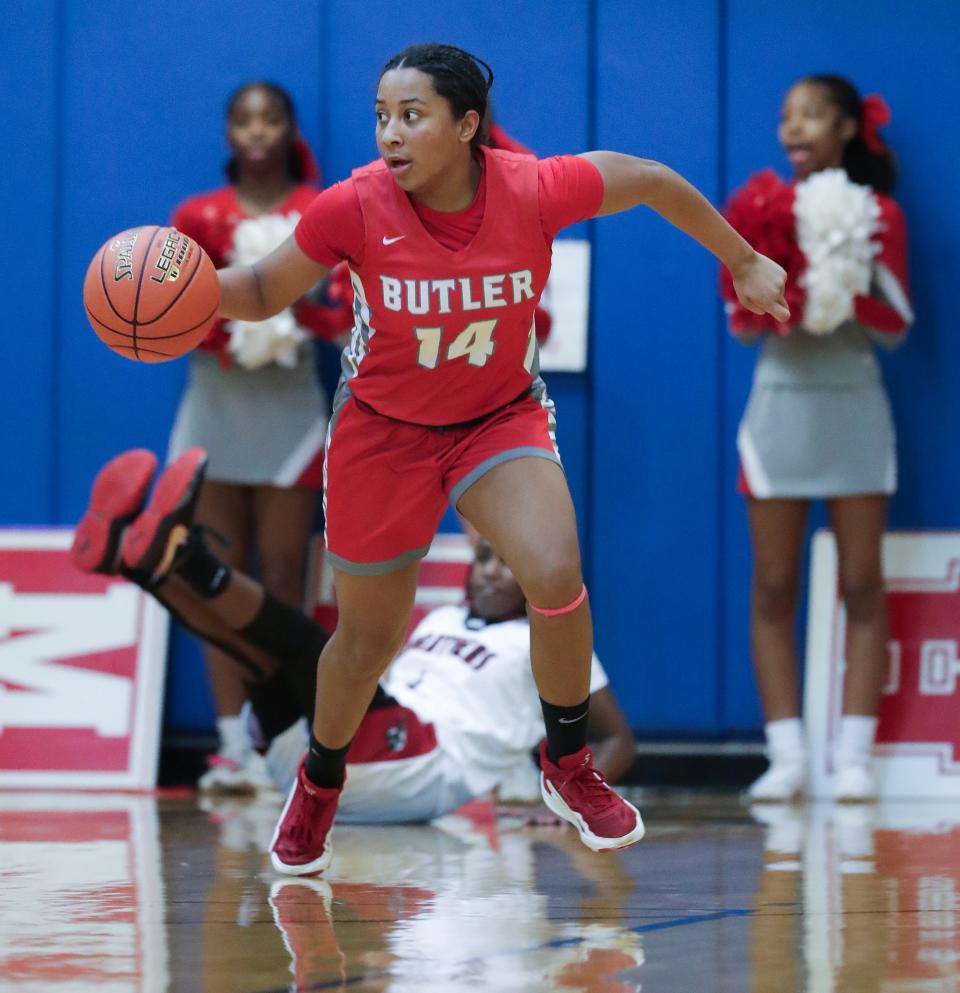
x,y
130,894
80,894
869,896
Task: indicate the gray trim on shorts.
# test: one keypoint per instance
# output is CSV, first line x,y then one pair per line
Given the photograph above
x,y
377,568
527,451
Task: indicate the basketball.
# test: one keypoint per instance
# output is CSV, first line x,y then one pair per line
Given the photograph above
x,y
151,294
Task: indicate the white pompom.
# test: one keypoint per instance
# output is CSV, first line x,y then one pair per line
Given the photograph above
x,y
836,223
259,236
277,339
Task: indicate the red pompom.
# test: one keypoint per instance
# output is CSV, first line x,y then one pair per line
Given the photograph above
x,y
762,212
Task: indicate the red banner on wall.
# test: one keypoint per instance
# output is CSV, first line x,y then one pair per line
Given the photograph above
x,y
82,661
442,580
918,737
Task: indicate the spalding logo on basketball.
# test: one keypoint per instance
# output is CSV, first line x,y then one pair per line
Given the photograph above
x,y
151,294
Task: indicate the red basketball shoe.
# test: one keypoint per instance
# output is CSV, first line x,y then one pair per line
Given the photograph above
x,y
575,791
154,537
116,498
301,844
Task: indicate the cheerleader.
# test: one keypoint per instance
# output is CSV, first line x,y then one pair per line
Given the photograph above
x,y
252,399
818,422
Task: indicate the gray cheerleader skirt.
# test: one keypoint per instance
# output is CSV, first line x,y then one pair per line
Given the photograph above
x,y
260,427
810,442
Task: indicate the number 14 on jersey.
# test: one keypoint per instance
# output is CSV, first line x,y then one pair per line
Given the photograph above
x,y
475,342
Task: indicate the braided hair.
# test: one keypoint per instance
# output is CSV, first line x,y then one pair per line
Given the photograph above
x,y
462,79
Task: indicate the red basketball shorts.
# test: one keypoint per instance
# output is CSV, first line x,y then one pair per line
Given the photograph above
x,y
389,482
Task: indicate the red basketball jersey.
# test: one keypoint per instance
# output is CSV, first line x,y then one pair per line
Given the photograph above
x,y
444,336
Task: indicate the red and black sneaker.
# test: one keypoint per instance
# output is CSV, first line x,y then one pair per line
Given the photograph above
x,y
116,498
301,843
575,791
152,540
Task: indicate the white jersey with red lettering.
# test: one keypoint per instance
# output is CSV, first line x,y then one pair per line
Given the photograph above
x,y
474,683
468,716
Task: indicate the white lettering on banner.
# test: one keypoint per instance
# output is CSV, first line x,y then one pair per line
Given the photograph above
x,y
62,626
939,666
894,661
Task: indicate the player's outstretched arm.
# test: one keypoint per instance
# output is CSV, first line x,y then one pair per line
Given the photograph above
x,y
254,293
629,181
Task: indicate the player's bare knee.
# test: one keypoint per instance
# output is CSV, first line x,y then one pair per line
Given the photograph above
x,y
364,655
552,582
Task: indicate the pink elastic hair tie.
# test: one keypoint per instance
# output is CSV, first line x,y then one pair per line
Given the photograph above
x,y
569,609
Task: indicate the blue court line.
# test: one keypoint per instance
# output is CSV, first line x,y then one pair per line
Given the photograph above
x,y
674,922
693,919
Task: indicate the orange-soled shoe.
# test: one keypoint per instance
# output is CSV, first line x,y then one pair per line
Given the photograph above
x,y
151,542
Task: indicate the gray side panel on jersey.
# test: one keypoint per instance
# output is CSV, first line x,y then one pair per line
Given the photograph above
x,y
340,398
538,390
535,364
359,345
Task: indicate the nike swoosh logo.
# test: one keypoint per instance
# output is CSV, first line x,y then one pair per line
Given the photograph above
x,y
390,241
572,720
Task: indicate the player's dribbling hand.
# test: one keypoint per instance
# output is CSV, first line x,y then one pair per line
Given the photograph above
x,y
760,285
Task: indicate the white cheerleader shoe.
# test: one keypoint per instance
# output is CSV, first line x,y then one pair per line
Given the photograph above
x,y
854,783
785,780
242,774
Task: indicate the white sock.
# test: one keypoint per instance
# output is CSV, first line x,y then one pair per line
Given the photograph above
x,y
855,744
233,734
785,739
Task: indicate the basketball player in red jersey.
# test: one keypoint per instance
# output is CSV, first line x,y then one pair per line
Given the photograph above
x,y
449,244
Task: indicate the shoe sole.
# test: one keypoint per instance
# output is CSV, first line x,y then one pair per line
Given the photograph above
x,y
116,498
239,788
307,868
235,784
152,540
594,842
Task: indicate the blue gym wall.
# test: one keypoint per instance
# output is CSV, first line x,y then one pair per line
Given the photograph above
x,y
113,114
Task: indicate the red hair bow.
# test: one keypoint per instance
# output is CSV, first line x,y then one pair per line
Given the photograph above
x,y
874,115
